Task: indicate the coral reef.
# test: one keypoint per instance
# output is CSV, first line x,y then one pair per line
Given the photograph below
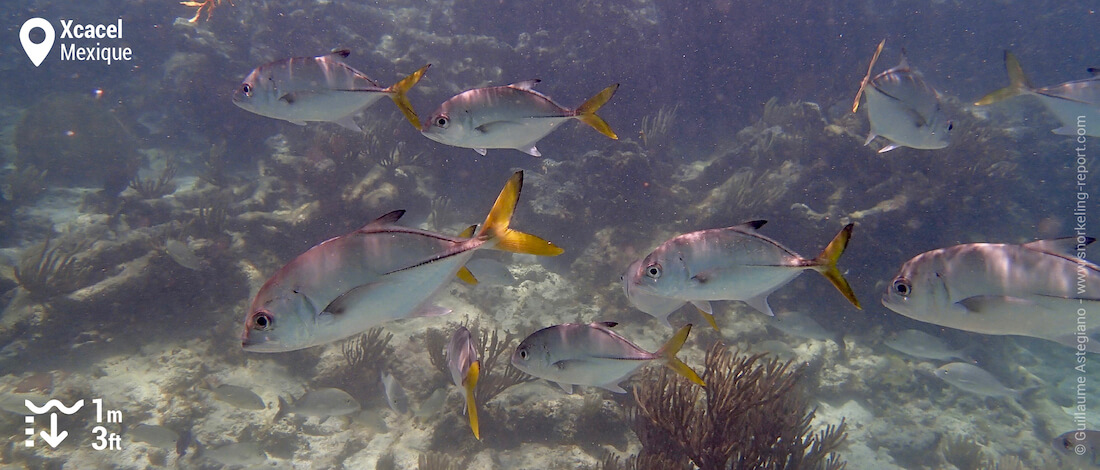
x,y
153,188
753,416
47,272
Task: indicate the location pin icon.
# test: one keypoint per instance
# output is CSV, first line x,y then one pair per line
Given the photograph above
x,y
36,52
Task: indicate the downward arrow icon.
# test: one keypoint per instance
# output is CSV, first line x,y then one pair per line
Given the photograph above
x,y
53,438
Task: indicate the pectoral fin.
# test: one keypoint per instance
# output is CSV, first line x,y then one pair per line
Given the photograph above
x,y
498,127
355,298
986,304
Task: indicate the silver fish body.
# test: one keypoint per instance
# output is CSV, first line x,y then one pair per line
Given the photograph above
x,y
154,435
1002,289
917,343
591,354
239,397
379,273
321,403
349,284
903,108
732,263
322,88
971,378
465,366
396,397
513,116
1070,102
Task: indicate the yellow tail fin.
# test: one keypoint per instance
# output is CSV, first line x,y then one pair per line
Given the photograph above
x,y
471,404
587,112
1017,82
825,263
398,93
672,347
867,78
464,273
500,216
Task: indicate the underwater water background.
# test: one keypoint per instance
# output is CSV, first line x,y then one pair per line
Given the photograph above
x,y
726,112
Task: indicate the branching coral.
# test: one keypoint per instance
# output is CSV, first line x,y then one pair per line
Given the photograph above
x,y
153,188
207,6
366,347
654,131
46,273
752,416
211,217
495,376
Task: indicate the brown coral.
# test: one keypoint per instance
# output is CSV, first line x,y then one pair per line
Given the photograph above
x,y
753,417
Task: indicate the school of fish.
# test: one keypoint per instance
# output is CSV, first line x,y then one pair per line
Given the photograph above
x,y
384,272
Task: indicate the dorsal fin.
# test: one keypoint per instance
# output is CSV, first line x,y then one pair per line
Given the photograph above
x,y
340,53
1065,246
904,64
387,219
526,84
752,224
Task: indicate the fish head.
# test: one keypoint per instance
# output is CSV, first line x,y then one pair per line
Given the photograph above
x,y
661,274
655,305
255,91
276,321
445,126
534,355
919,291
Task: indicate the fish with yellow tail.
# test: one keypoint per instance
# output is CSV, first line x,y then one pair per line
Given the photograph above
x,y
577,354
322,88
903,108
1072,102
465,367
379,273
731,263
509,117
1040,289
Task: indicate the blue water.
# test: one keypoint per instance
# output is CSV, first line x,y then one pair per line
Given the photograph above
x,y
149,335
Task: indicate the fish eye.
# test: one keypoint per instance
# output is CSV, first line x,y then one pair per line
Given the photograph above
x,y
442,121
523,354
950,125
247,89
653,271
902,287
262,321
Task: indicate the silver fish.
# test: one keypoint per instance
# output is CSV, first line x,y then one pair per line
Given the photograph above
x,y
156,436
902,108
239,397
1069,102
379,273
923,345
182,254
1035,289
800,325
321,403
971,378
732,263
1082,447
396,397
321,88
509,117
237,454
491,271
577,354
465,367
